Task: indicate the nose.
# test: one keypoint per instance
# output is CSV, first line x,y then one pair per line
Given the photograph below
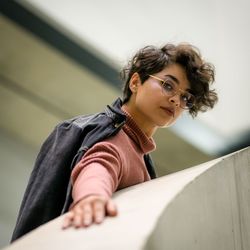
x,y
175,99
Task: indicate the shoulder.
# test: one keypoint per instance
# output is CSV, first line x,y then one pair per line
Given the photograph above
x,y
78,121
104,147
115,145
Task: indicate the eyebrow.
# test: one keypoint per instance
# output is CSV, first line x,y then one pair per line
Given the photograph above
x,y
173,78
177,81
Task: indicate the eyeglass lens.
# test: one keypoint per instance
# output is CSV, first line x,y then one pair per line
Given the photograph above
x,y
170,89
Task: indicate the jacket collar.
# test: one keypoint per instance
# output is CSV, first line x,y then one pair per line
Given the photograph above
x,y
115,113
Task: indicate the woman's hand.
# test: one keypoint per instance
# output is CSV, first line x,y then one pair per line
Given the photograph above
x,y
91,209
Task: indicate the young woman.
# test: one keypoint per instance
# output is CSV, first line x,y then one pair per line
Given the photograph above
x,y
160,84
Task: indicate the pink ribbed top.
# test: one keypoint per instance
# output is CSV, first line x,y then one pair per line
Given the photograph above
x,y
113,164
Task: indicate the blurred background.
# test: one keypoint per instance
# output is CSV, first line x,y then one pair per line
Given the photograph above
x,y
59,59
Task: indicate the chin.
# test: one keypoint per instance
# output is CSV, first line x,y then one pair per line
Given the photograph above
x,y
165,124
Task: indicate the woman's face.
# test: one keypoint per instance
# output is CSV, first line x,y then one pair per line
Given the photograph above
x,y
149,106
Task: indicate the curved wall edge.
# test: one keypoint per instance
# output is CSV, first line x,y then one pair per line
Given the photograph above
x,y
203,207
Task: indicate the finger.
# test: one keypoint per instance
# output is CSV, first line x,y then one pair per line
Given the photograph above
x,y
98,211
67,220
111,208
87,213
78,217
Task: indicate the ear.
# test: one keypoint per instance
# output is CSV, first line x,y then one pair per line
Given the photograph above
x,y
135,82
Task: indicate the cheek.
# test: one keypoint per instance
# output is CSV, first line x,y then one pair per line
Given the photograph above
x,y
176,117
150,92
149,98
178,114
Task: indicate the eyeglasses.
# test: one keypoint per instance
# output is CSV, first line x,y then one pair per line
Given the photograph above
x,y
170,89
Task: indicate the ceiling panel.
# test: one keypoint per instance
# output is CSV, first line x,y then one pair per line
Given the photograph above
x,y
22,118
47,74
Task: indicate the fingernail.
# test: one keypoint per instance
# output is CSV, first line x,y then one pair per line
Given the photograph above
x,y
77,224
99,219
86,222
64,225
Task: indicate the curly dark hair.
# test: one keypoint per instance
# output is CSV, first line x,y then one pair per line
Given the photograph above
x,y
150,60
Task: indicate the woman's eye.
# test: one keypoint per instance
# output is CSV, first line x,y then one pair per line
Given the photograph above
x,y
187,99
168,86
184,98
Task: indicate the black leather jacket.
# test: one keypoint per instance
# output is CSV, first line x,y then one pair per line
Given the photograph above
x,y
48,193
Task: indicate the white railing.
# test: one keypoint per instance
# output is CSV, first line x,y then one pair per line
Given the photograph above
x,y
205,207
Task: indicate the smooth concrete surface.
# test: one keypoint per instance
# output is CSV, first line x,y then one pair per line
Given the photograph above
x,y
205,207
211,212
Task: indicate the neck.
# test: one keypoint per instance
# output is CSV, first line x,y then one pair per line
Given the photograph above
x,y
140,120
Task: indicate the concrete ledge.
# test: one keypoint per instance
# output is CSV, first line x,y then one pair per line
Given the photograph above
x,y
204,207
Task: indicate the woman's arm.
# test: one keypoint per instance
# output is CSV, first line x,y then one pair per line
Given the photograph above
x,y
94,178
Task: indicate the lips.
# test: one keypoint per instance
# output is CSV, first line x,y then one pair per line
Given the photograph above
x,y
169,110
